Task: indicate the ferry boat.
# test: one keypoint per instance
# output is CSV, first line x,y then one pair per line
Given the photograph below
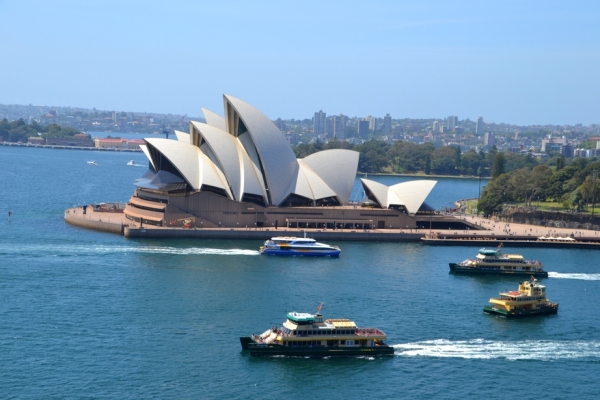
x,y
309,335
529,300
493,262
293,246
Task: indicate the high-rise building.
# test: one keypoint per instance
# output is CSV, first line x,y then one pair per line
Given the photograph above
x,y
435,127
387,124
479,127
451,122
329,127
363,128
319,123
489,139
339,126
372,123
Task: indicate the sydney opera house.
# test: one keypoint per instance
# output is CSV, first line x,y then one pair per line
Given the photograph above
x,y
239,171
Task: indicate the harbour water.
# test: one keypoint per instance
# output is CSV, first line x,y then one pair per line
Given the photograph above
x,y
85,314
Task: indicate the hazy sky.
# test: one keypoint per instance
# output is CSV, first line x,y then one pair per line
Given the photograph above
x,y
521,62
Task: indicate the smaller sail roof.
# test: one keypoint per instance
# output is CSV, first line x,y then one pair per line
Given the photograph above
x,y
410,194
182,136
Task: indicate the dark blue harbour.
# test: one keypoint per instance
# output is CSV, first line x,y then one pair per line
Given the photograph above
x,y
91,314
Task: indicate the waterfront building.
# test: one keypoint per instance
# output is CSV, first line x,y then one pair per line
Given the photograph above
x,y
239,171
122,144
35,140
77,140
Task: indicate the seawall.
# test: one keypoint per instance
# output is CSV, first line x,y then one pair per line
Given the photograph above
x,y
263,234
555,219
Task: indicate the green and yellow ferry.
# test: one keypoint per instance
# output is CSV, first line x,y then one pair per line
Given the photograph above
x,y
528,301
493,262
309,335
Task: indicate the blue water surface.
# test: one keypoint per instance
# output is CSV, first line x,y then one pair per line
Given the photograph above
x,y
86,314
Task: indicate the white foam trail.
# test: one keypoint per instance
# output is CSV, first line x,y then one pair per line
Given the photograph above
x,y
487,349
585,277
83,250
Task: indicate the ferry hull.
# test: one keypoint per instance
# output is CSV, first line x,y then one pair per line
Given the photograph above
x,y
271,252
276,350
458,269
521,313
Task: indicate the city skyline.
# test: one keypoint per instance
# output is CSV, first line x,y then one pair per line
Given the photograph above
x,y
523,64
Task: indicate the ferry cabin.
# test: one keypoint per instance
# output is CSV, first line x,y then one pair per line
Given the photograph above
x,y
307,330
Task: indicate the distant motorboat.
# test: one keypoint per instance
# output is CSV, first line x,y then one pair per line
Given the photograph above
x,y
130,162
92,162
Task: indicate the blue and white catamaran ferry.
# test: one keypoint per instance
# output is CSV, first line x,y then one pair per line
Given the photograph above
x,y
294,246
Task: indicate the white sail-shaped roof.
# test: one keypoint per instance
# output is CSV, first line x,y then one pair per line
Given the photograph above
x,y
147,153
410,194
277,160
337,168
182,136
378,190
413,193
252,182
245,157
318,187
225,150
194,166
230,156
213,119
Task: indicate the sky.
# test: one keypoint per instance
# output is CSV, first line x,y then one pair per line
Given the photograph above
x,y
517,62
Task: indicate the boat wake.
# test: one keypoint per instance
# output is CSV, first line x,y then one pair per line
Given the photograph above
x,y
585,277
95,250
543,350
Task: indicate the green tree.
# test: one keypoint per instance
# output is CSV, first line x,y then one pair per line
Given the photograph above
x,y
373,156
493,195
408,156
471,161
443,160
427,168
499,164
